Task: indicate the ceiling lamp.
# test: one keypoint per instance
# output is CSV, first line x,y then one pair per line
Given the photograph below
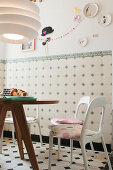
x,y
19,21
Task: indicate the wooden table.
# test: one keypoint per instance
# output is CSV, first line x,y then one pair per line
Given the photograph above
x,y
21,127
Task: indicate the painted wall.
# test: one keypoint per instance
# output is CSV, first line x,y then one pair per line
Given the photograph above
x,y
60,14
2,65
3,50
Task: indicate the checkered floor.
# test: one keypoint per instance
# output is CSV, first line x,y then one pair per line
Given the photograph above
x,y
10,160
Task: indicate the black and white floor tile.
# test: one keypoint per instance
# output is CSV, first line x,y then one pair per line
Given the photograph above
x,y
10,160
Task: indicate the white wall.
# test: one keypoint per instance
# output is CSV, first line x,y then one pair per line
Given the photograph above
x,y
2,50
59,14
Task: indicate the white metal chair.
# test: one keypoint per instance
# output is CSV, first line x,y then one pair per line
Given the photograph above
x,y
56,121
83,100
30,121
81,132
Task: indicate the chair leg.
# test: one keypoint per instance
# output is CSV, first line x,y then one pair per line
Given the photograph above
x,y
59,142
40,132
84,155
13,132
71,146
92,148
1,140
29,126
106,153
50,149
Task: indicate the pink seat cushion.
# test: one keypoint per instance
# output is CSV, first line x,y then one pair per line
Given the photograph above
x,y
70,131
67,121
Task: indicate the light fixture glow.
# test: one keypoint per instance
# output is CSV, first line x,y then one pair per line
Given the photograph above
x,y
19,21
13,36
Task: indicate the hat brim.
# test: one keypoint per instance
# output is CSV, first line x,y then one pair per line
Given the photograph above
x,y
47,33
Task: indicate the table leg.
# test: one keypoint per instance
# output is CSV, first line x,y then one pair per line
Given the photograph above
x,y
18,136
3,112
22,123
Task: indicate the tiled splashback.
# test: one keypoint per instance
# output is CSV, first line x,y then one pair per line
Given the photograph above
x,y
2,75
66,78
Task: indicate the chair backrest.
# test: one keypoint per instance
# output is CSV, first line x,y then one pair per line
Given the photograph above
x,y
97,102
83,100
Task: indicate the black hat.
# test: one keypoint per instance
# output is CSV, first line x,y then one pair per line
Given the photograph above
x,y
47,30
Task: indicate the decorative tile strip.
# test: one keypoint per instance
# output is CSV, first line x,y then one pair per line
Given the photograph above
x,y
2,61
58,57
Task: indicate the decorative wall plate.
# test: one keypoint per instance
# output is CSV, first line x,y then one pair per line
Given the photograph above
x,y
83,42
91,10
105,20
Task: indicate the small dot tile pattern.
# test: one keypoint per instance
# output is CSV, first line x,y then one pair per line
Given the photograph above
x,y
65,79
10,160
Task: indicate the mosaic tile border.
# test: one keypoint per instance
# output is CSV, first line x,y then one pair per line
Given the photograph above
x,y
58,57
2,61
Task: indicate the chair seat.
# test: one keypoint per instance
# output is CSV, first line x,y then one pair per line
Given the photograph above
x,y
66,121
29,120
9,120
69,131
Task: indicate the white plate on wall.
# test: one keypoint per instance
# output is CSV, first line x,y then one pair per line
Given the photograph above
x,y
83,42
105,20
91,10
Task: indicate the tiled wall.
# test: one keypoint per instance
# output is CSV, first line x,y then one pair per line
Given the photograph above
x,y
2,74
64,77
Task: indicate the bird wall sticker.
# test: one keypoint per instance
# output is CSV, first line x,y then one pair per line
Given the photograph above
x,y
76,10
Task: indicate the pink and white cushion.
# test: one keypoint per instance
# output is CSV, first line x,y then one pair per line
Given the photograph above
x,y
66,121
69,131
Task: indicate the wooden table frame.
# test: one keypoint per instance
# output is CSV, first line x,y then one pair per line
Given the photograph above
x,y
21,126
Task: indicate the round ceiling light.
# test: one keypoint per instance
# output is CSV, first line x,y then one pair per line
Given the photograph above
x,y
19,21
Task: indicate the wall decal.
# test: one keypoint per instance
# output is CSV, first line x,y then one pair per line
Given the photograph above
x,y
46,41
76,10
63,35
95,35
77,18
47,30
